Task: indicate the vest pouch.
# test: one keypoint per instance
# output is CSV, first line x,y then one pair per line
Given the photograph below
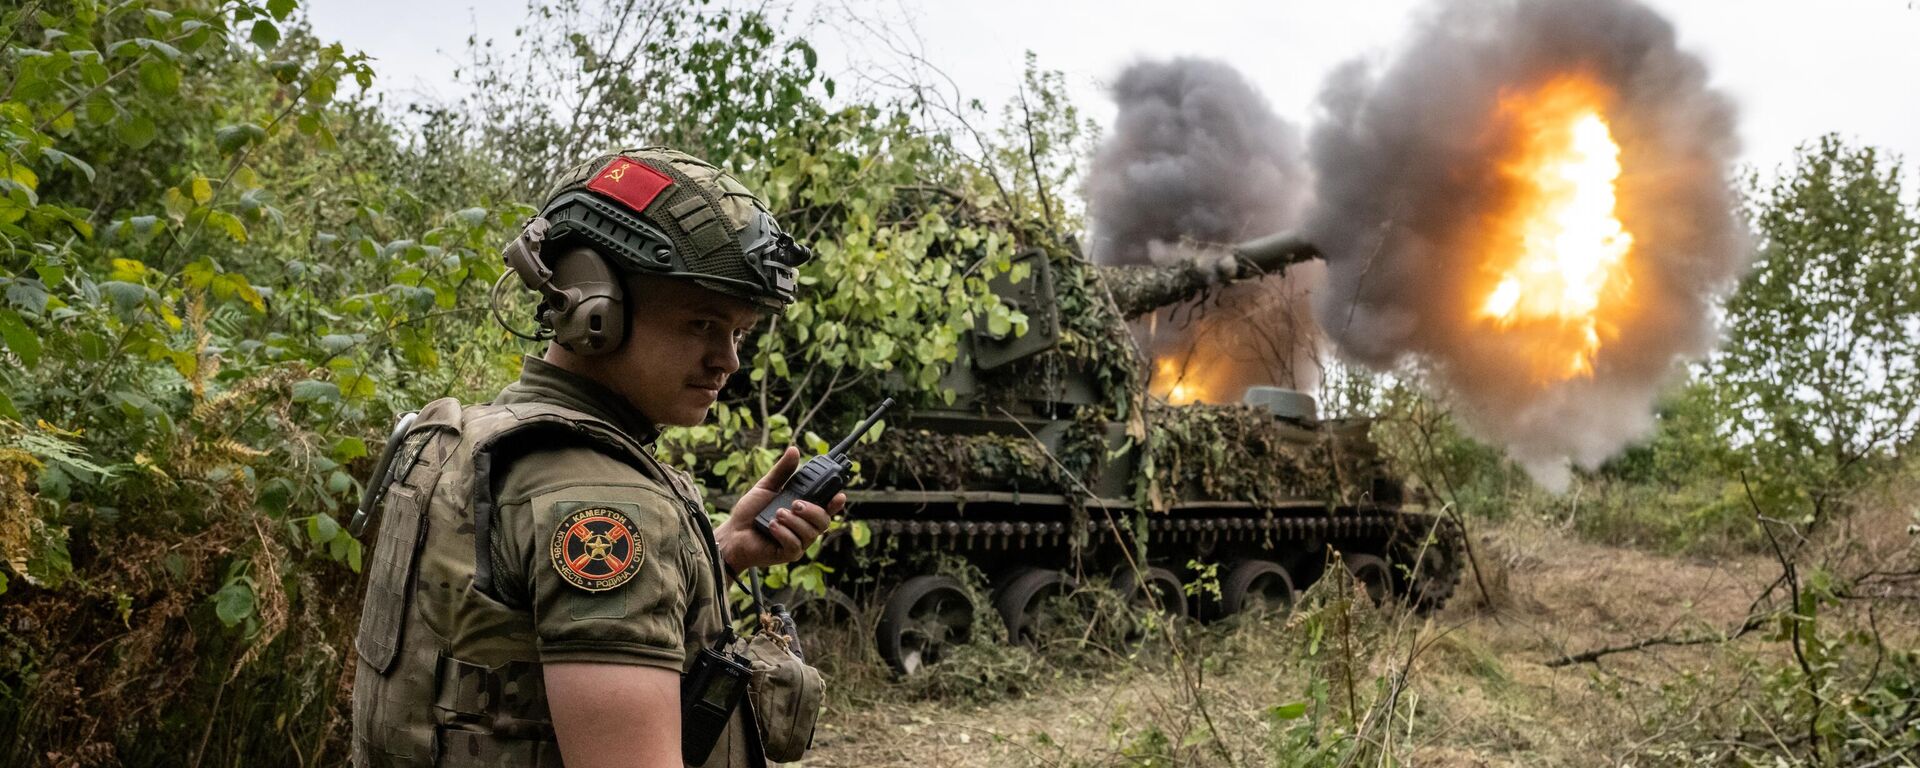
x,y
786,696
492,716
383,615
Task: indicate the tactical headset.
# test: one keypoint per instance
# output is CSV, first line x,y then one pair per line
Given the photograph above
x,y
583,305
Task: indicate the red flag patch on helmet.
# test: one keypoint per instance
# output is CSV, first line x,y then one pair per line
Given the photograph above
x,y
631,183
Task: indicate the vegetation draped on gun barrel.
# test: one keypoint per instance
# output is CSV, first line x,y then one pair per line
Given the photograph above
x,y
1043,461
1139,290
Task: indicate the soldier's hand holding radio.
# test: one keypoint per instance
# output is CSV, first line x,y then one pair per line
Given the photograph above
x,y
786,504
793,526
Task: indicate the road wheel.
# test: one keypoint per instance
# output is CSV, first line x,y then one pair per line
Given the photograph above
x,y
832,608
1256,585
1025,600
822,621
924,619
1144,592
1372,572
1438,561
1155,586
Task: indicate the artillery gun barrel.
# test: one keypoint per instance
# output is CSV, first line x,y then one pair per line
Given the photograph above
x,y
1139,290
1274,253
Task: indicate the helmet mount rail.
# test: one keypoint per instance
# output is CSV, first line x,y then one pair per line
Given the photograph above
x,y
770,256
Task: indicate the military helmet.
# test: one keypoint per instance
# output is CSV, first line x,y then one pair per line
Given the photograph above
x,y
664,212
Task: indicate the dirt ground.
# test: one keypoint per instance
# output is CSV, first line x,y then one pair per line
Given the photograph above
x,y
1479,693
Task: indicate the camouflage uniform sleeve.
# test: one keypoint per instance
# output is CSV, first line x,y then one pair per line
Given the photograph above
x,y
599,552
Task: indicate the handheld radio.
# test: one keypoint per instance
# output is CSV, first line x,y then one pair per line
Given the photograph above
x,y
709,694
820,478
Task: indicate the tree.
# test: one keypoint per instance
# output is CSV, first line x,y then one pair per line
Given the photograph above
x,y
586,77
1822,361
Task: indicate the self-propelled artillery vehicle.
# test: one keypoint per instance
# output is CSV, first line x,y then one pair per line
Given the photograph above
x,y
1053,468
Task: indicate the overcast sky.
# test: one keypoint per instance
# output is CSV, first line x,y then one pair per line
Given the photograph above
x,y
1797,68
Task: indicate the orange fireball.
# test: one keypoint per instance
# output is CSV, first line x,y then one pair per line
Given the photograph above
x,y
1556,257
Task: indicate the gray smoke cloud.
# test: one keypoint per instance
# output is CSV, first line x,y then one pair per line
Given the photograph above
x,y
1197,160
1196,155
1404,155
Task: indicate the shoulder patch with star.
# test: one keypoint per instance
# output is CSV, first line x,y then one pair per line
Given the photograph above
x,y
597,548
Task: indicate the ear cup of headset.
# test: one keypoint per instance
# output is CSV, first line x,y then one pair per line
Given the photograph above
x,y
587,303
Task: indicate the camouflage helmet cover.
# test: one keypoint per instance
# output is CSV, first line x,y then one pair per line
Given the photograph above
x,y
664,212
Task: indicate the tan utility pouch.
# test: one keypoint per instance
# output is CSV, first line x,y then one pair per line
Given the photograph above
x,y
786,694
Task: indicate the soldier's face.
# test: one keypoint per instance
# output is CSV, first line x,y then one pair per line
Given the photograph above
x,y
682,343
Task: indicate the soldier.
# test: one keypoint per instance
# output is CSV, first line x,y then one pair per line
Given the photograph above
x,y
540,582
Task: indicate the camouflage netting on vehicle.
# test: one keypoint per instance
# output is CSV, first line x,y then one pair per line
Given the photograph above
x,y
1237,452
1093,339
918,459
1232,452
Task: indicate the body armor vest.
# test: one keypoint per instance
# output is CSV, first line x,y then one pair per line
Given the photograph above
x,y
453,678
